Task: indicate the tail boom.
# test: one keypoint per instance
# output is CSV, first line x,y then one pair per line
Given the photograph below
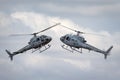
x,y
106,53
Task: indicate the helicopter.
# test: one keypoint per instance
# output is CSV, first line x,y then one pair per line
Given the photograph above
x,y
36,42
76,42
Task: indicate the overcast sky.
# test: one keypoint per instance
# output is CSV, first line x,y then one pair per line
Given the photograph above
x,y
92,16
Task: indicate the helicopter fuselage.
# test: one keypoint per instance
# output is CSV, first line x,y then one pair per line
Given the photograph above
x,y
39,41
76,41
35,43
73,40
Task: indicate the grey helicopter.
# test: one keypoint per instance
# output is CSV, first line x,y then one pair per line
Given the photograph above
x,y
36,43
76,42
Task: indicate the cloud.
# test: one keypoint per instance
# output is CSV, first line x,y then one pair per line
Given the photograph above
x,y
92,10
39,22
83,65
25,17
77,7
9,25
56,63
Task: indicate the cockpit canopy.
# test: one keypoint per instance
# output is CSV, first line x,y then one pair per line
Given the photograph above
x,y
38,38
74,37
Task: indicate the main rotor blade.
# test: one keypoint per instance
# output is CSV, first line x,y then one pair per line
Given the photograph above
x,y
81,32
72,29
19,34
36,32
47,28
68,28
94,34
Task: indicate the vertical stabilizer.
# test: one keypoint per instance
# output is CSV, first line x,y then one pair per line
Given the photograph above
x,y
107,52
10,55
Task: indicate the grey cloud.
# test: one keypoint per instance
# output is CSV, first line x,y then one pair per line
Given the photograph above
x,y
50,65
58,69
10,25
96,16
47,5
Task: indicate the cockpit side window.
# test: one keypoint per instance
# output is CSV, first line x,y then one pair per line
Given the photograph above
x,y
84,40
67,38
42,40
37,39
73,40
47,39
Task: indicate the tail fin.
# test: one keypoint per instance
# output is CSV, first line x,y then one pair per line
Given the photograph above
x,y
10,55
107,52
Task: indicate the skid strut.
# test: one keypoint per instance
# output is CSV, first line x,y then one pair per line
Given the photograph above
x,y
45,48
39,48
72,49
76,50
63,46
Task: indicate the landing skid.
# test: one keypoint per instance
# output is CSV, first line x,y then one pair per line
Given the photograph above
x,y
63,46
45,48
76,50
39,48
72,49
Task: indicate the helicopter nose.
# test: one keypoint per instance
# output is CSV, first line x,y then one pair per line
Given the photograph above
x,y
49,38
62,39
